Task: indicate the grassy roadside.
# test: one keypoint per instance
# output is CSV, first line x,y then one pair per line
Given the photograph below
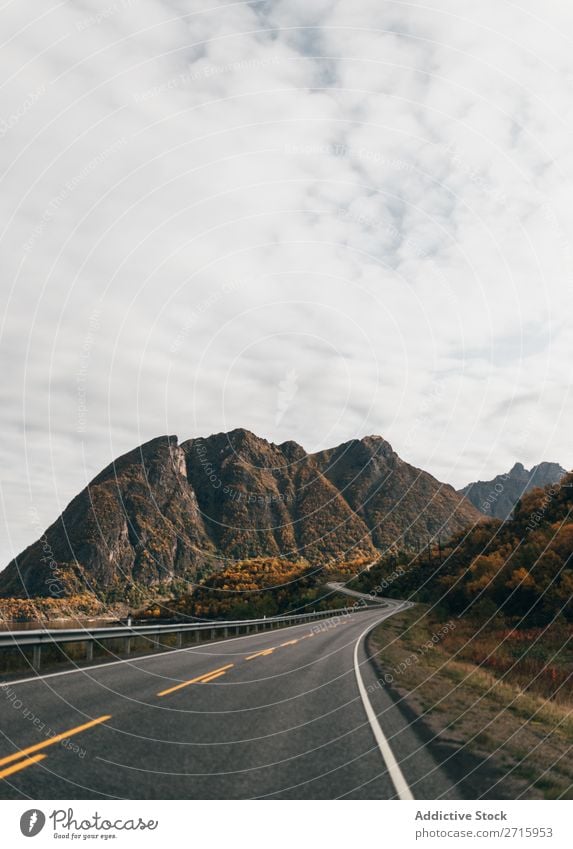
x,y
497,740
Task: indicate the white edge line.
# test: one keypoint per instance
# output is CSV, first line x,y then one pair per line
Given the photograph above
x,y
396,774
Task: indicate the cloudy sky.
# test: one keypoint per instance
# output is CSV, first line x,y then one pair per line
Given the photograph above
x,y
317,220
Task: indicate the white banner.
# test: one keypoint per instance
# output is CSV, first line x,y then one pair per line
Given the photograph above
x,y
257,824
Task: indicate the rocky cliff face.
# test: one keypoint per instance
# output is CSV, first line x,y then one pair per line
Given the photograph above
x,y
166,512
138,522
498,497
400,504
261,499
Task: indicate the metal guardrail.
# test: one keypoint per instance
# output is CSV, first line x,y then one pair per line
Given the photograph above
x,y
38,638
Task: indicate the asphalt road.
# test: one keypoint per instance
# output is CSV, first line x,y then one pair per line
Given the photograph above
x,y
278,715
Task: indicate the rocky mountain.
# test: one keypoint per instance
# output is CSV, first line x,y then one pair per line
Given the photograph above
x,y
138,522
400,504
498,497
169,512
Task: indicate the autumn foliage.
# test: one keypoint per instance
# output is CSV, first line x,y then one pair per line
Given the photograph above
x,y
45,609
520,570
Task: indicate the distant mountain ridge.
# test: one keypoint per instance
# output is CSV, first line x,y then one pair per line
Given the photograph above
x,y
168,512
499,497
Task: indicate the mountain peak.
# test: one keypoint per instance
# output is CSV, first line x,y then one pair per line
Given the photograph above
x,y
164,512
377,443
499,496
292,450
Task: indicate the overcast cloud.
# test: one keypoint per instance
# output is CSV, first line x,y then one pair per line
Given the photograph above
x,y
317,220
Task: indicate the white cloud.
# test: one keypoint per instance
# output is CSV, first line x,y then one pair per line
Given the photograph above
x,y
197,203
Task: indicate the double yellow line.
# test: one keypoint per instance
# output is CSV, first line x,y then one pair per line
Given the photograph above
x,y
201,679
33,754
266,652
262,653
24,753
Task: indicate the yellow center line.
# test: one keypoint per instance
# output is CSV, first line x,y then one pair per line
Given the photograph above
x,y
262,653
212,677
195,680
52,740
290,643
22,765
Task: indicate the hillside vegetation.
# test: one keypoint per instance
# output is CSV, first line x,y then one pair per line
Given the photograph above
x,y
519,571
166,515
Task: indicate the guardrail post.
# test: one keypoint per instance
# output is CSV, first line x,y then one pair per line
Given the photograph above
x,y
89,651
225,632
179,640
213,633
36,656
197,636
128,645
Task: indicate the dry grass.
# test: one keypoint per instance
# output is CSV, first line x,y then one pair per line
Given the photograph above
x,y
536,660
498,736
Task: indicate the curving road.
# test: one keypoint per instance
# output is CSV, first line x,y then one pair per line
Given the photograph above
x,y
294,713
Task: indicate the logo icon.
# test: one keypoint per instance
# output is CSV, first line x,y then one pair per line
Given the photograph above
x,y
32,822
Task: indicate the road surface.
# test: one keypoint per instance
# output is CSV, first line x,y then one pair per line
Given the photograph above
x,y
338,587
293,713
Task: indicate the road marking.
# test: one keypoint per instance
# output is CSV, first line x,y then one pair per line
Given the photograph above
x,y
212,677
262,653
193,650
9,758
17,767
396,775
265,652
221,669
